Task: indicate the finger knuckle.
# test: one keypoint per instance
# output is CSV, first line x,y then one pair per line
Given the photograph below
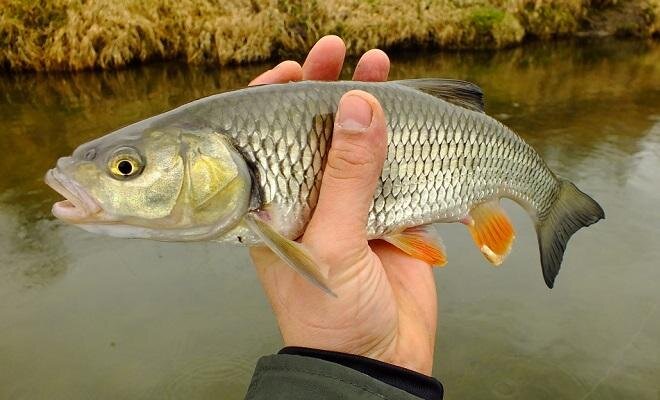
x,y
348,160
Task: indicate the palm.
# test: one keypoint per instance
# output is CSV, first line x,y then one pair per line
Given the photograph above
x,y
385,309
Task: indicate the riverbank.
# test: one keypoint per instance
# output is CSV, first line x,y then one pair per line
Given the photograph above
x,y
67,35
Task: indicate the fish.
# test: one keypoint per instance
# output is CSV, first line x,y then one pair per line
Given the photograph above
x,y
245,167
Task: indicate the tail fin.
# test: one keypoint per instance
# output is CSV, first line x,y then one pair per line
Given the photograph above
x,y
571,211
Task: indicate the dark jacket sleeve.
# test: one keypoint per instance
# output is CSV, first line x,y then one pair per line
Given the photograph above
x,y
301,373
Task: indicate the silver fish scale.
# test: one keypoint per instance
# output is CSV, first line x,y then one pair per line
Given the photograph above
x,y
442,159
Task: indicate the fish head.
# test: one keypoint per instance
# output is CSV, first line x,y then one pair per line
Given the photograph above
x,y
167,184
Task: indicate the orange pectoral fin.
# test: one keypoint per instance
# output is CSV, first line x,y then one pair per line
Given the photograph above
x,y
491,230
420,242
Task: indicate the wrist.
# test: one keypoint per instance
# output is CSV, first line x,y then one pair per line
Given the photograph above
x,y
415,358
418,358
407,347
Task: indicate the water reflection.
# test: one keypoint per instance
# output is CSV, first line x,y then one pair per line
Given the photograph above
x,y
32,251
82,315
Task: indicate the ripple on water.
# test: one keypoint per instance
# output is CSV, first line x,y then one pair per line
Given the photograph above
x,y
216,376
523,377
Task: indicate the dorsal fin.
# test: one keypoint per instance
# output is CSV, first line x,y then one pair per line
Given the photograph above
x,y
461,93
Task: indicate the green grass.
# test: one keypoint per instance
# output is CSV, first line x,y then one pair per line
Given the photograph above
x,y
485,18
84,34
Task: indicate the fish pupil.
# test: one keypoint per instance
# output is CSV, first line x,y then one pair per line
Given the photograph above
x,y
125,167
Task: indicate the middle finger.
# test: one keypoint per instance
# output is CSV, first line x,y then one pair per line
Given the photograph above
x,y
325,59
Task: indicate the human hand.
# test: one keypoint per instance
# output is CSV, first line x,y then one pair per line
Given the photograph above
x,y
386,307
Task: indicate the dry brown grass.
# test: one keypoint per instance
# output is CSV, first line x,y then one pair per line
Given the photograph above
x,y
79,34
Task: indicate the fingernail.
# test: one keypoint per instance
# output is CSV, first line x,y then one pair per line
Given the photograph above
x,y
354,114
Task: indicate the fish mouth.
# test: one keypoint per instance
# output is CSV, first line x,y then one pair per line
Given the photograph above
x,y
78,206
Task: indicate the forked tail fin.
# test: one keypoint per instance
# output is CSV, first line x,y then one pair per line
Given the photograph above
x,y
571,211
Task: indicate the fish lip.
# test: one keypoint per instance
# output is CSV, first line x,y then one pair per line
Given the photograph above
x,y
78,206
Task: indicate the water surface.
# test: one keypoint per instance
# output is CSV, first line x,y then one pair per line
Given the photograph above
x,y
87,316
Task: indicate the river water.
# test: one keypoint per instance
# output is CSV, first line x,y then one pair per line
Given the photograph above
x,y
85,316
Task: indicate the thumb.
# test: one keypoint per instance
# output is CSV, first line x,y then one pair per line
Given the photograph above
x,y
337,230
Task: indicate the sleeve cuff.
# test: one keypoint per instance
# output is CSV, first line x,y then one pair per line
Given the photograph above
x,y
419,385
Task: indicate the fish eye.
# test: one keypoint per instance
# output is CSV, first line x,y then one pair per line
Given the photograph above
x,y
126,163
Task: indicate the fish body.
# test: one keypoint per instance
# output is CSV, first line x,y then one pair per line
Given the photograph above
x,y
442,159
246,167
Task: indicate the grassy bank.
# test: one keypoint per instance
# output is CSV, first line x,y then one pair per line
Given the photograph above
x,y
82,34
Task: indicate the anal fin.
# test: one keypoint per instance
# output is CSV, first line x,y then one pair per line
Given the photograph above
x,y
420,242
491,230
292,253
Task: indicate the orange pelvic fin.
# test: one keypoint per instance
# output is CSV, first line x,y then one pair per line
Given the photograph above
x,y
491,230
421,242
